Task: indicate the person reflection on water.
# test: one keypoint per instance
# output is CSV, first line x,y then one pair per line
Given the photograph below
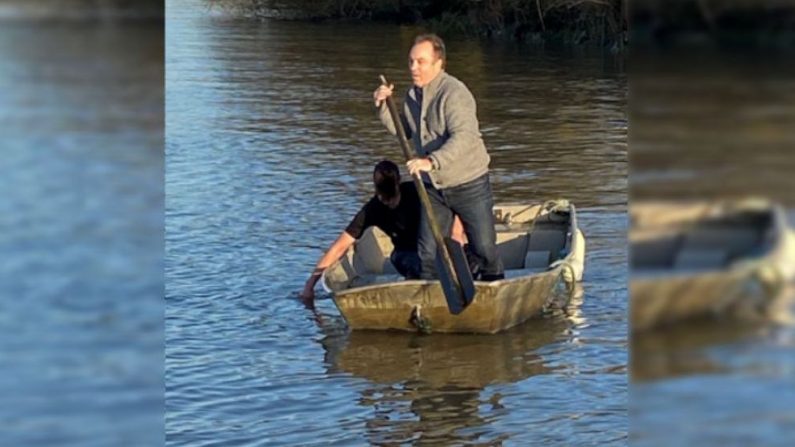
x,y
395,209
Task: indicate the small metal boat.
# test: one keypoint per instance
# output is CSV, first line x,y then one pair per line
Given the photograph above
x,y
542,249
699,259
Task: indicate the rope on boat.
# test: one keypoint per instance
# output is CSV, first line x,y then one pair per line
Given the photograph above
x,y
762,284
550,205
422,324
567,276
771,278
559,299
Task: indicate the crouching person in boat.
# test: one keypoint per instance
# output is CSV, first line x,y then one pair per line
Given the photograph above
x,y
395,209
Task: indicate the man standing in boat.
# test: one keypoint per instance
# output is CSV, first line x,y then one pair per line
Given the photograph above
x,y
395,209
439,115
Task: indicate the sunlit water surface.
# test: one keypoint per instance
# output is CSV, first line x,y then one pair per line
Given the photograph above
x,y
81,113
271,138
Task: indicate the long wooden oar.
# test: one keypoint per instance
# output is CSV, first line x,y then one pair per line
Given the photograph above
x,y
451,262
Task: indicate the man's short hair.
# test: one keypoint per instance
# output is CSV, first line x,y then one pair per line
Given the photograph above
x,y
437,43
386,177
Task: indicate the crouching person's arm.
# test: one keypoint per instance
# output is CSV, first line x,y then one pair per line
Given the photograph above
x,y
335,252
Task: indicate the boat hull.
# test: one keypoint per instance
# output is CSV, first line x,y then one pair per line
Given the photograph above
x,y
409,305
746,250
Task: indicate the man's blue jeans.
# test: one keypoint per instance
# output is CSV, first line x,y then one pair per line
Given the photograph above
x,y
473,203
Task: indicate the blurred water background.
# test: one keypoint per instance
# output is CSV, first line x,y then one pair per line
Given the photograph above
x,y
712,118
81,112
82,94
271,138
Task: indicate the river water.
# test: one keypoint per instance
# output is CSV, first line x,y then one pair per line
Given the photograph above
x,y
82,232
270,141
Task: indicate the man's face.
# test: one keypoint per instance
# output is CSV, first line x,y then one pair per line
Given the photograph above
x,y
391,203
423,64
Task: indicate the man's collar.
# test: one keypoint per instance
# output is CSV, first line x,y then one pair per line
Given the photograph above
x,y
429,90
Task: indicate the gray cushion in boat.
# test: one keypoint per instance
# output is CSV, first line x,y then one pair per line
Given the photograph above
x,y
653,252
699,259
339,275
537,259
372,252
512,246
551,240
731,240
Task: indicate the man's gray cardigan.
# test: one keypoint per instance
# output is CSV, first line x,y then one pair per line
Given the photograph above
x,y
448,130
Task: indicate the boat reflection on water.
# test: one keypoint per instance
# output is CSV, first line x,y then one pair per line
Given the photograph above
x,y
468,360
685,348
431,388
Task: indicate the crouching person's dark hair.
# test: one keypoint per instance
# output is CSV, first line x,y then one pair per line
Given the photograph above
x,y
386,177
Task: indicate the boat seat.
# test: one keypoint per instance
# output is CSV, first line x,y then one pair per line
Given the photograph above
x,y
732,241
340,275
371,255
700,259
654,252
549,240
537,259
512,245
